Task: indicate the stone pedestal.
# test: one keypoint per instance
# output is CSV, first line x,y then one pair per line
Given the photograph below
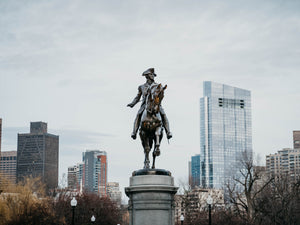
x,y
151,197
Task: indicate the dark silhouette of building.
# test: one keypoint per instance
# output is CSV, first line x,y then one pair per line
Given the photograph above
x,y
296,139
37,155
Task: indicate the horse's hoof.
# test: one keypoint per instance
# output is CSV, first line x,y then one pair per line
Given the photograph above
x,y
133,136
169,135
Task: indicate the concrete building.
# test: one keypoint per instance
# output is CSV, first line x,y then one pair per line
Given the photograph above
x,y
8,165
179,207
80,175
284,162
225,132
194,201
296,139
72,178
114,193
95,171
37,155
261,172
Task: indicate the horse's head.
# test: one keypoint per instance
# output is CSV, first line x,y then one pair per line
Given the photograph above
x,y
155,97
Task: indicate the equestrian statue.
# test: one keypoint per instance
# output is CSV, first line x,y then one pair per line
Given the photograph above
x,y
151,119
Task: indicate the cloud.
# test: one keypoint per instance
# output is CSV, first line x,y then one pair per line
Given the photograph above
x,y
78,136
67,137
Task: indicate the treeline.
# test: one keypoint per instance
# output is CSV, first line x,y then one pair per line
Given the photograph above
x,y
28,203
252,197
277,204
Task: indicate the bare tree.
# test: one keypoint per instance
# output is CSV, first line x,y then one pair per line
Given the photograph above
x,y
88,204
26,203
279,203
244,188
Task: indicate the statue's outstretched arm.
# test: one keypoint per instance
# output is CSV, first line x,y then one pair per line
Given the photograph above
x,y
136,99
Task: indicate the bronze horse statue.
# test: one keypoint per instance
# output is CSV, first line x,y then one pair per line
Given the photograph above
x,y
151,126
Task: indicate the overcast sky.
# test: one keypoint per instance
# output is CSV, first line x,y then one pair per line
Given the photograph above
x,y
77,64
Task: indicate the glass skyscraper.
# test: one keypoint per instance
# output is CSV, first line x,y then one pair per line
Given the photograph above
x,y
225,132
95,171
195,171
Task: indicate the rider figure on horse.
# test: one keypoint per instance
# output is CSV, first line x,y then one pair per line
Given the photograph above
x,y
142,92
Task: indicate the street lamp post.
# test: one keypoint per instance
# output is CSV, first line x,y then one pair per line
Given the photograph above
x,y
181,219
93,219
73,204
209,201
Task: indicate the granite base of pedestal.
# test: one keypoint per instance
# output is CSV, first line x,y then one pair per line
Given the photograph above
x,y
151,199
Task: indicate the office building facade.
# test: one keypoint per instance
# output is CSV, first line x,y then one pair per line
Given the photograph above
x,y
195,202
37,155
72,178
285,162
225,132
8,165
195,171
95,171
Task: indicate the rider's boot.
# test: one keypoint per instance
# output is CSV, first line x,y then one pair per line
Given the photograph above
x,y
135,127
166,125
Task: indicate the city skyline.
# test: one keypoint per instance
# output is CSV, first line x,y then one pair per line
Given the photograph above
x,y
78,70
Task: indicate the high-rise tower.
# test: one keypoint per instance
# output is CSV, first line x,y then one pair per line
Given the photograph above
x,y
37,155
225,131
95,171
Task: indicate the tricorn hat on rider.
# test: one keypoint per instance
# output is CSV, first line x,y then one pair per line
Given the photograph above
x,y
149,71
